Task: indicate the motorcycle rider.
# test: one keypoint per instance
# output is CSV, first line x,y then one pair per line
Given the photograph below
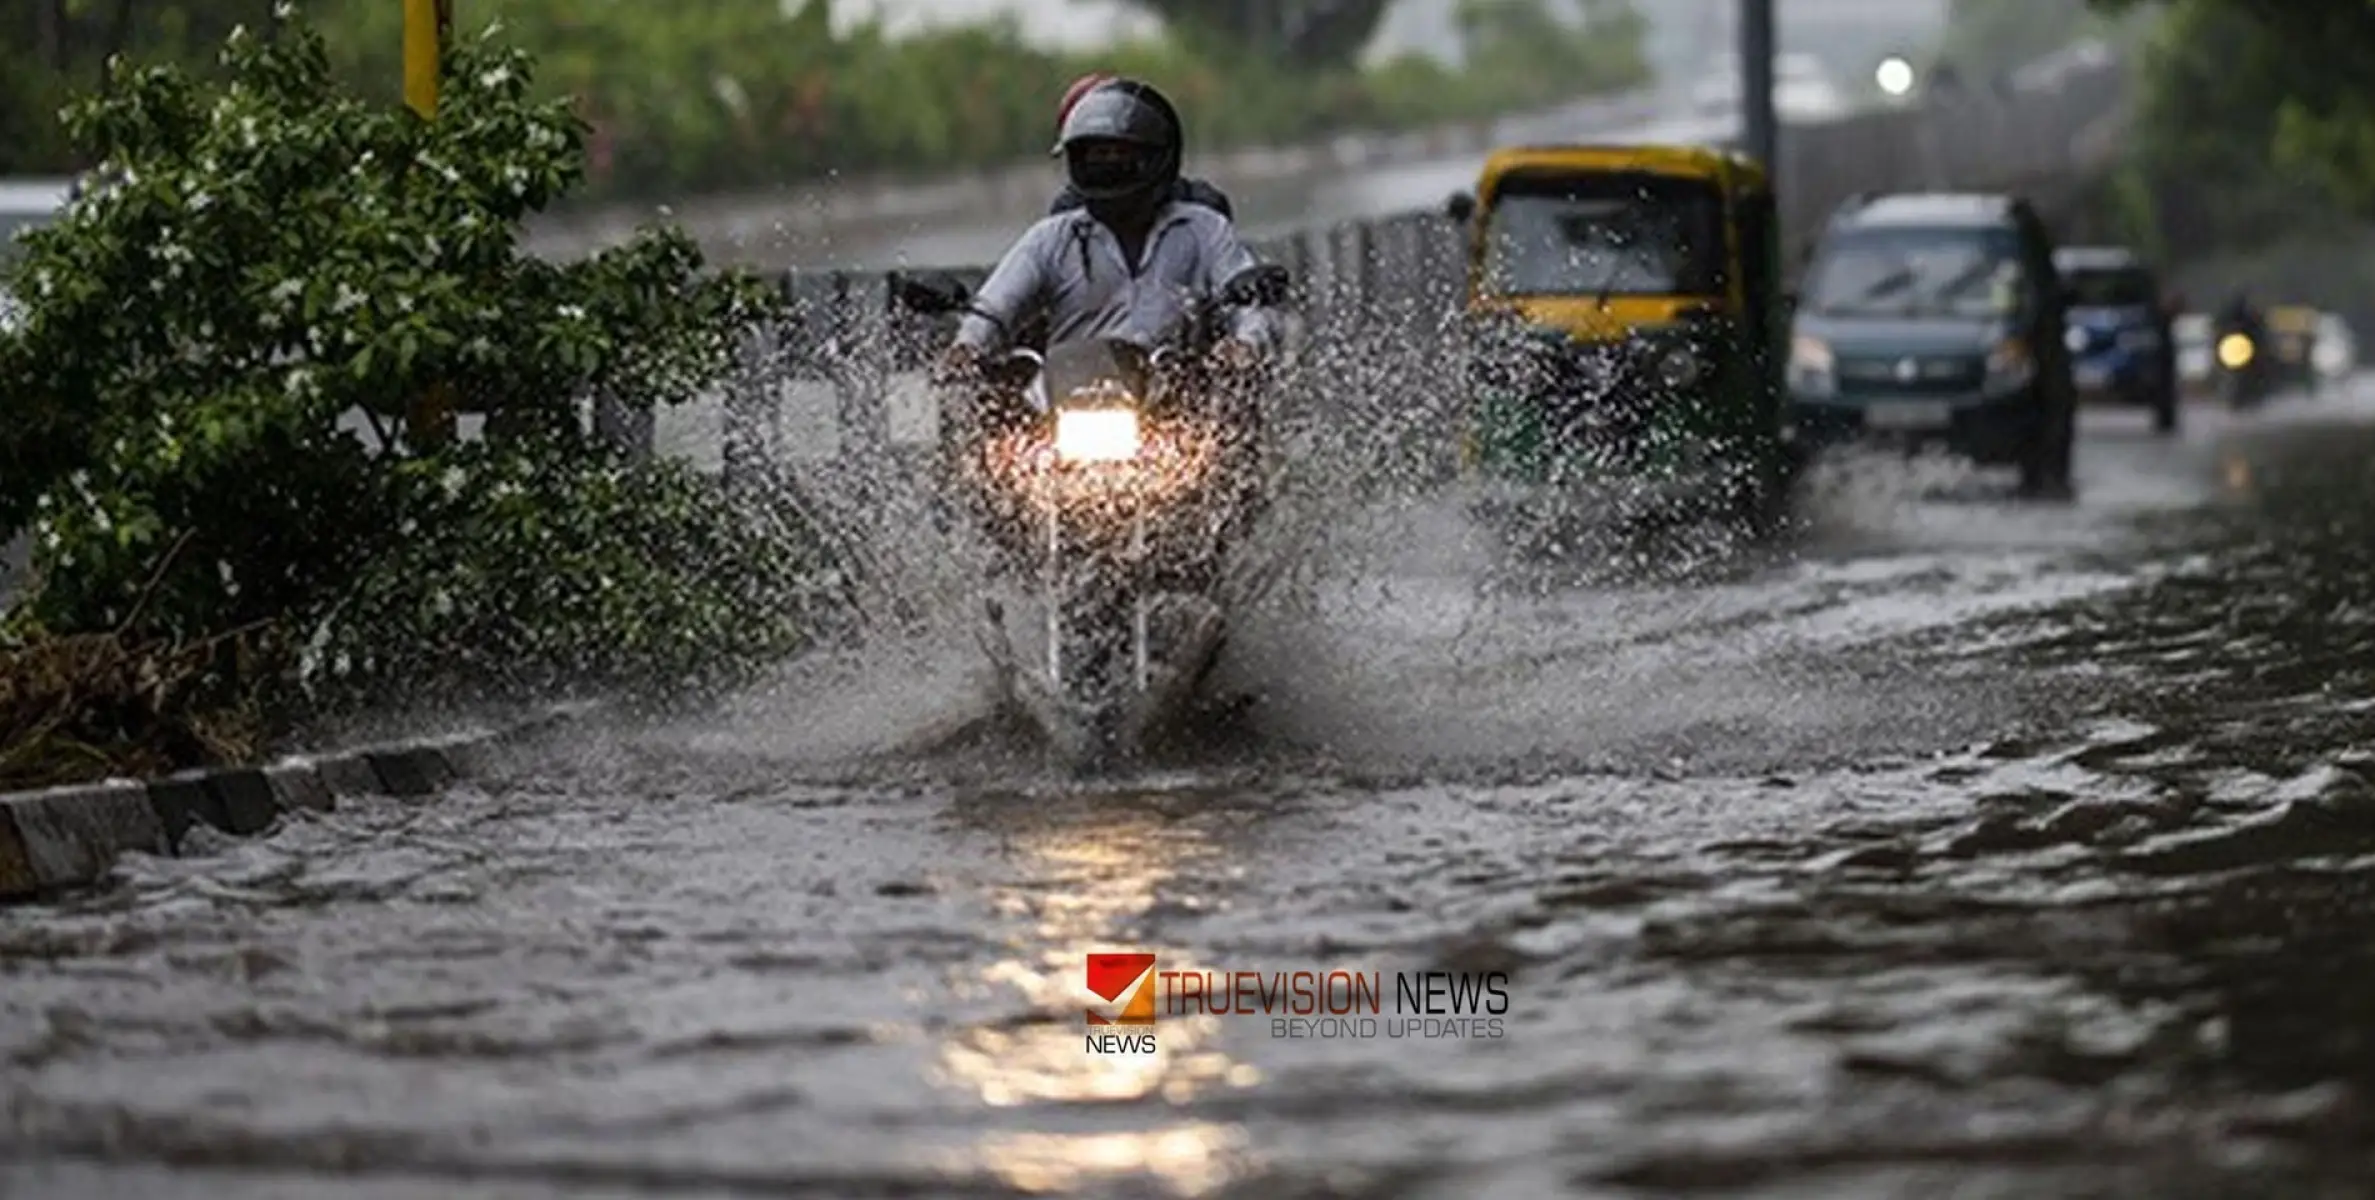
x,y
2240,315
1125,262
1128,263
1189,191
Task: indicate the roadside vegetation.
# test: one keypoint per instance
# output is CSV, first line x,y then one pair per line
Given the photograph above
x,y
241,523
681,99
2252,159
2255,149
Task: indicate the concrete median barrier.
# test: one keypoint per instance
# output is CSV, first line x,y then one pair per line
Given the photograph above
x,y
71,836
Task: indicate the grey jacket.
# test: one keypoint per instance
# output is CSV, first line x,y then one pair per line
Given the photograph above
x,y
1070,267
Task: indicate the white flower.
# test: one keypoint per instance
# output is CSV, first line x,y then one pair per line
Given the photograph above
x,y
452,481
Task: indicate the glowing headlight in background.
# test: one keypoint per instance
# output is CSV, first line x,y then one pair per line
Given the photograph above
x,y
1812,366
1894,75
2235,351
1096,434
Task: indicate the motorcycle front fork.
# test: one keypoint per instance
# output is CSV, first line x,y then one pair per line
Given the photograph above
x,y
1062,602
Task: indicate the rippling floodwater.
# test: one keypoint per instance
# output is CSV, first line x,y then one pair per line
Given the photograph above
x,y
1964,847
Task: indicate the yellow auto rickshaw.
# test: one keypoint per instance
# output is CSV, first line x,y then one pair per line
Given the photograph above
x,y
2292,330
1627,322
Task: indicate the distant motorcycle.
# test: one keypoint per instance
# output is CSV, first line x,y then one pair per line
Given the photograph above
x,y
1119,492
2242,370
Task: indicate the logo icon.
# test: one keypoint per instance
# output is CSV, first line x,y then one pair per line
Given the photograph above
x,y
1908,369
1109,975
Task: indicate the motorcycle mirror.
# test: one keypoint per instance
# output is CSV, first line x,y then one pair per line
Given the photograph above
x,y
1460,208
1265,285
931,295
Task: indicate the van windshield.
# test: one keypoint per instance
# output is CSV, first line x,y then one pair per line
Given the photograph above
x,y
1625,234
1917,272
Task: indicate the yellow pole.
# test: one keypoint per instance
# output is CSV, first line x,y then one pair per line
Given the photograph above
x,y
426,26
426,23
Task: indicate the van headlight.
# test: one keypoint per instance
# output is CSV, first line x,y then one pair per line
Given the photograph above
x,y
1813,368
1096,434
2010,366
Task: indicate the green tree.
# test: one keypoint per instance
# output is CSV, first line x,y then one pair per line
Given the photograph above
x,y
2302,63
1310,33
263,257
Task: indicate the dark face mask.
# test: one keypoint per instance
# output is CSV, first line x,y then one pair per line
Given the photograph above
x,y
1126,212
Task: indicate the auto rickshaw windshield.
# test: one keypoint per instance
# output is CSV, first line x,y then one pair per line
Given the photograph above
x,y
1622,234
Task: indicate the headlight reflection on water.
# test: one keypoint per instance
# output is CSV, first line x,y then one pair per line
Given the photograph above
x,y
1081,884
1189,1159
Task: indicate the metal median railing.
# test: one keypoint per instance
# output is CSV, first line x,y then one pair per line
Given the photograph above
x,y
843,372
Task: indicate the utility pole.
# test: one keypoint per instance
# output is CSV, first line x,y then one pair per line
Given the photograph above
x,y
1756,84
428,26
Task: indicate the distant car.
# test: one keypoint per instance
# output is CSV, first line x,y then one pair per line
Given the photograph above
x,y
2337,349
24,204
1936,319
2121,343
2191,332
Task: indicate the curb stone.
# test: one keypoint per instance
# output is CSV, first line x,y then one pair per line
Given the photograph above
x,y
67,836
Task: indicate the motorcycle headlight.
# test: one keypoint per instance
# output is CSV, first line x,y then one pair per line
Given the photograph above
x,y
2010,365
2235,351
1813,369
1096,434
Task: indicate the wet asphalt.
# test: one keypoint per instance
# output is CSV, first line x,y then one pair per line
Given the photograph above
x,y
1952,844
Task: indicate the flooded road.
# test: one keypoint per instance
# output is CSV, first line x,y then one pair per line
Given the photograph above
x,y
1959,845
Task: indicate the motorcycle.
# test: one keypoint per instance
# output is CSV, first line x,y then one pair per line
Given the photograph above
x,y
2243,374
1116,478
